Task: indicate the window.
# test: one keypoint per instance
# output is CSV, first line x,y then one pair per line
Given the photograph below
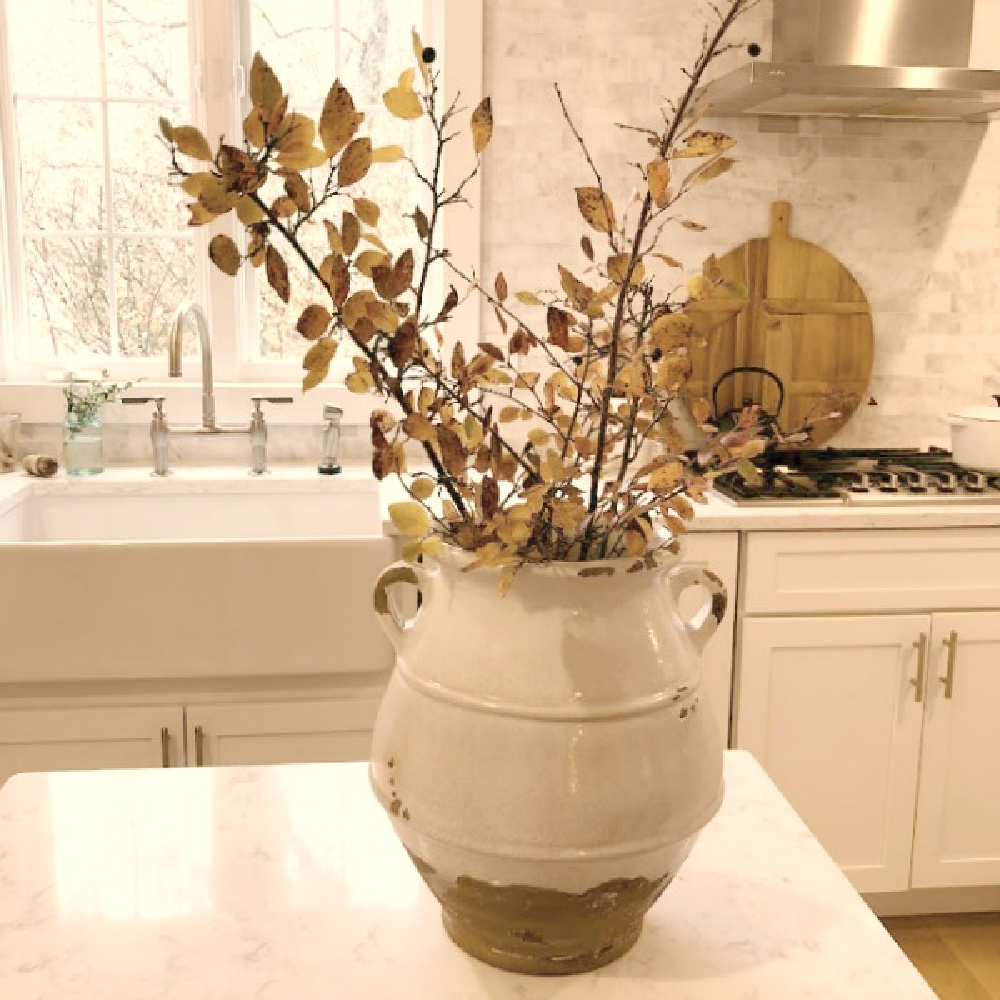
x,y
97,251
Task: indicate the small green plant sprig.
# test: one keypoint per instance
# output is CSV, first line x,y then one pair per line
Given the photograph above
x,y
85,397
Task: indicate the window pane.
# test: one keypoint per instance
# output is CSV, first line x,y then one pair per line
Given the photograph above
x,y
146,48
62,176
54,48
143,199
301,42
67,282
376,45
153,277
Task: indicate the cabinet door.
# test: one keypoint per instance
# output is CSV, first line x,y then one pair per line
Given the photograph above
x,y
828,706
290,732
717,551
75,739
957,834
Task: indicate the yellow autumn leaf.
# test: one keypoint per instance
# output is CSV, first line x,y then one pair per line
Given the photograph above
x,y
320,354
313,322
248,211
368,259
423,487
596,208
658,180
387,154
409,518
314,376
402,100
713,169
418,54
355,162
367,211
224,254
339,119
265,88
192,143
482,125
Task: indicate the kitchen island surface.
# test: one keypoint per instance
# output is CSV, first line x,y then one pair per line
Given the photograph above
x,y
287,882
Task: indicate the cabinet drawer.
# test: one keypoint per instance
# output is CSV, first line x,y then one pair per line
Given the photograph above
x,y
940,568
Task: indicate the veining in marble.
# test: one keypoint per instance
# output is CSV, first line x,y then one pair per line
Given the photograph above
x,y
279,882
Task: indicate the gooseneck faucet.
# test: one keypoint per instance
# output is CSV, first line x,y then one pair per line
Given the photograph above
x,y
190,313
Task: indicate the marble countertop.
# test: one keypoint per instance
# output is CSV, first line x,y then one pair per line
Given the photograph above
x,y
286,883
717,514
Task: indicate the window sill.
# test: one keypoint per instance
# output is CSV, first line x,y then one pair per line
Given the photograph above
x,y
43,402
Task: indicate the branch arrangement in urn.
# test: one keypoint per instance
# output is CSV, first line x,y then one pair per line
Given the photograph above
x,y
544,443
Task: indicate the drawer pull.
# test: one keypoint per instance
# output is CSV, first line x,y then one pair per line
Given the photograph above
x,y
951,644
918,682
165,746
199,746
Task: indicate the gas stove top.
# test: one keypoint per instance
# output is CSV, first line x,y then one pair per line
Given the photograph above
x,y
875,476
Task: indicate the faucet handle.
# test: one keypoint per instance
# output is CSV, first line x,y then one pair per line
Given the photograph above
x,y
139,400
272,399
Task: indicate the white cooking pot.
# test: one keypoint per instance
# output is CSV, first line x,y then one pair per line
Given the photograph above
x,y
975,437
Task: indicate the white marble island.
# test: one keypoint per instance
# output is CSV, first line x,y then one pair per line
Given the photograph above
x,y
286,883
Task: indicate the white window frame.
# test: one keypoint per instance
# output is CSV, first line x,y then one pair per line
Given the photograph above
x,y
219,75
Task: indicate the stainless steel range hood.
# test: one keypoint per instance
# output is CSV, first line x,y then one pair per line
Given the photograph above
x,y
898,59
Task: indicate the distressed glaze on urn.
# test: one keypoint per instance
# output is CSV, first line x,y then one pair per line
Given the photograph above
x,y
547,757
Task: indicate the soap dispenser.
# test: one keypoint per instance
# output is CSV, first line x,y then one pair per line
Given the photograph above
x,y
331,439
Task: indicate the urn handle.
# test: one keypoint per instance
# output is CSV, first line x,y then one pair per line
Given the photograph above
x,y
702,625
395,626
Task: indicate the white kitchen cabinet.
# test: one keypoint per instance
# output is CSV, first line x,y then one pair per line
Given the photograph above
x,y
957,833
901,792
280,732
69,739
827,707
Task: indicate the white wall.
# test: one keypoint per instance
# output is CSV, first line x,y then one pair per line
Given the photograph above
x,y
912,209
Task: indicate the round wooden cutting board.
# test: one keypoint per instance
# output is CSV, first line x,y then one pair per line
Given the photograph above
x,y
805,318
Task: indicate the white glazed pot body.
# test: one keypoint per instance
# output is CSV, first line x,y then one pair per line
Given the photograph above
x,y
547,754
975,437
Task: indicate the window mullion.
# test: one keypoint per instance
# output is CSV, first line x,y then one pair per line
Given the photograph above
x,y
109,240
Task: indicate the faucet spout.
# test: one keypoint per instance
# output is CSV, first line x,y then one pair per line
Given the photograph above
x,y
188,314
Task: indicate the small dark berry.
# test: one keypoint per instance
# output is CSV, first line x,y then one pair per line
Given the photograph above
x,y
754,49
428,55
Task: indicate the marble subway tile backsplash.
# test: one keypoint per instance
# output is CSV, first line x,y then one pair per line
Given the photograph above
x,y
912,209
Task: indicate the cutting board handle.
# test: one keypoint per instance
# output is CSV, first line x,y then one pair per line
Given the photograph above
x,y
781,214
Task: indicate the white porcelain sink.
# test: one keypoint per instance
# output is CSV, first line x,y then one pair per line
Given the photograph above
x,y
207,573
129,506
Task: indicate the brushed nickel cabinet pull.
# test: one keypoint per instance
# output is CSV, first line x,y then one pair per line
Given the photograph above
x,y
199,746
918,682
165,746
951,644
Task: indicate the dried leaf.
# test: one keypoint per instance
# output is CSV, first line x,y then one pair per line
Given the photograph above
x,y
192,143
388,154
419,428
265,88
339,120
713,169
367,260
402,100
423,487
403,345
224,254
350,233
335,273
166,129
453,455
658,179
367,211
314,376
383,316
528,299
421,223
277,274
704,144
482,125
409,518
355,162
313,322
695,227
557,321
255,129
500,286
248,211
587,247
596,208
320,354
298,191
418,54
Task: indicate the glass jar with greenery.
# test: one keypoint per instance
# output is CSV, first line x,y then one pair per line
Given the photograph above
x,y
83,432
